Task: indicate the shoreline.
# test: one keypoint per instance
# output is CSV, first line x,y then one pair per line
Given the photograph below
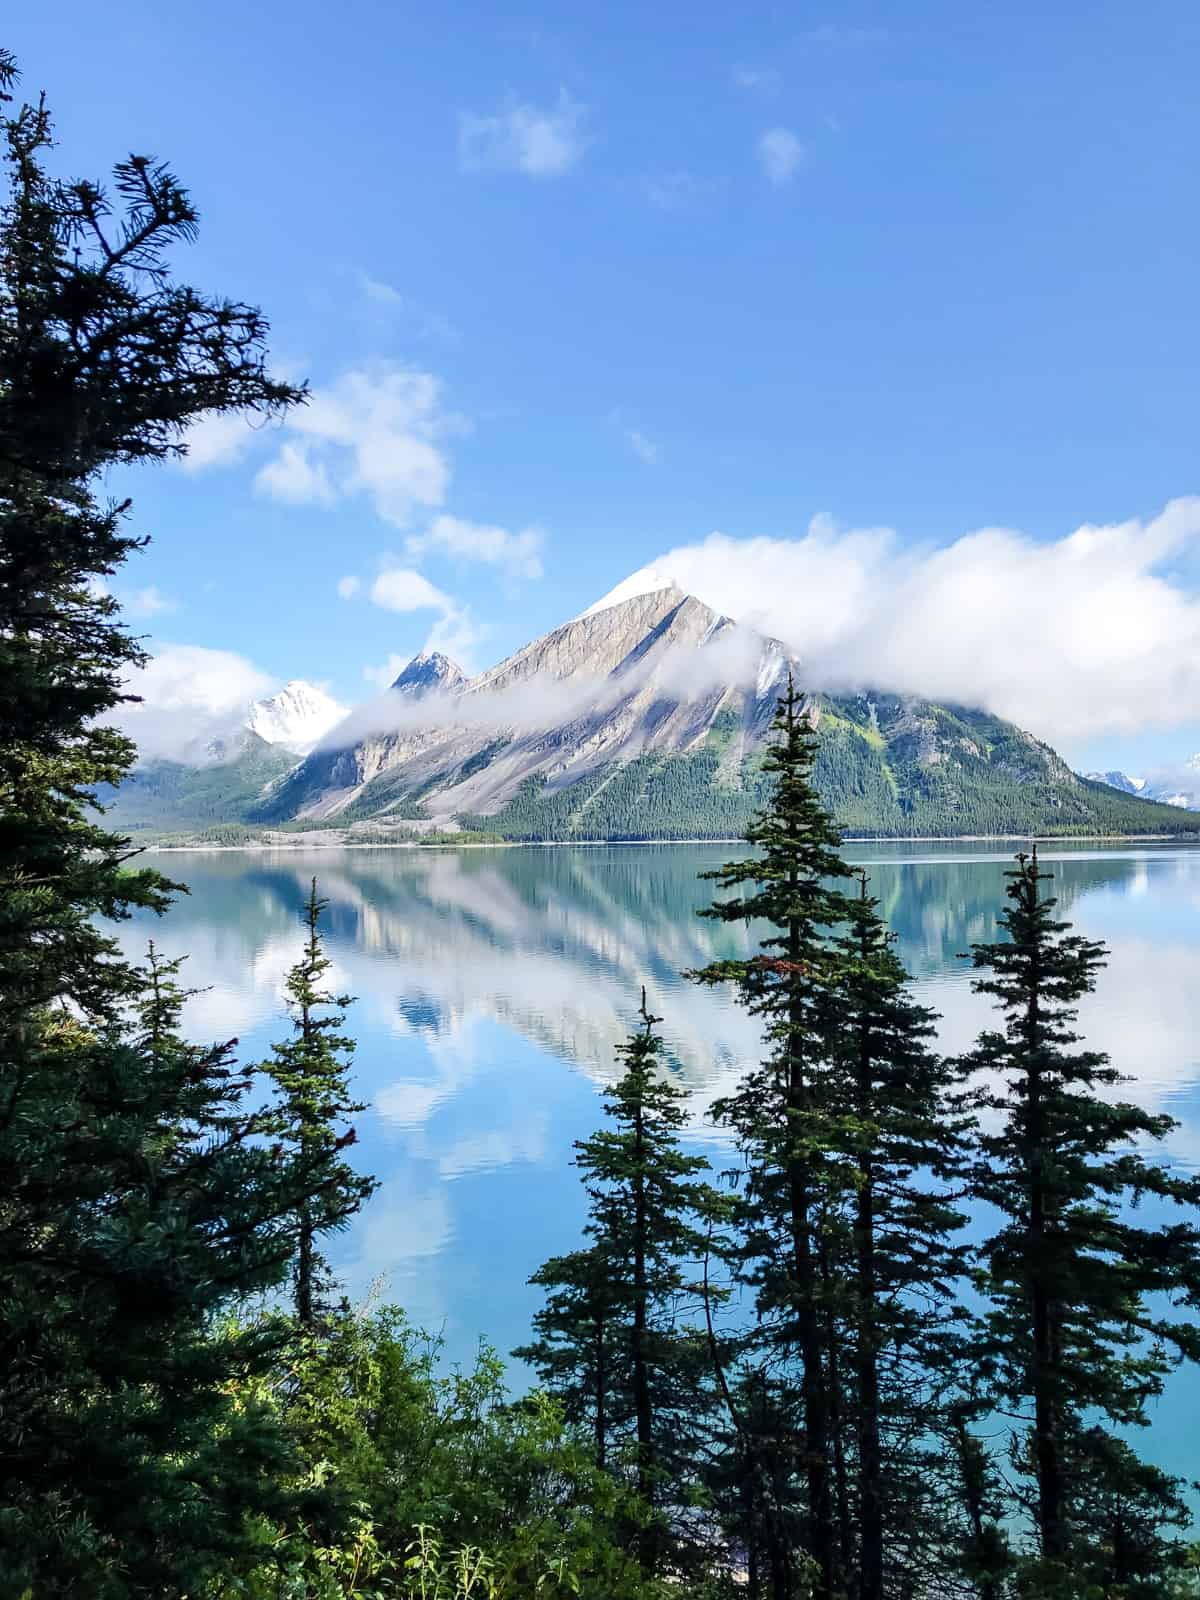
x,y
312,842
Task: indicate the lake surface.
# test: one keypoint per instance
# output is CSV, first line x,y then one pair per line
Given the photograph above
x,y
494,986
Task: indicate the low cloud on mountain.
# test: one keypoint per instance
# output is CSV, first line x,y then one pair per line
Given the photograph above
x,y
1088,634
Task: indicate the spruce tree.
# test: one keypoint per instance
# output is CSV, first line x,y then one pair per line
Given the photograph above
x,y
777,1111
312,1105
611,1343
894,1255
137,1199
1084,1300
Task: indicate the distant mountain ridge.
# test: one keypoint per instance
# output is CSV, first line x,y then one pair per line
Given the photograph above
x,y
647,718
1178,787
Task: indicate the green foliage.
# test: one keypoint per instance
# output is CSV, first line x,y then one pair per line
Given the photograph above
x,y
779,1120
1076,1327
614,1346
170,794
310,1072
416,1475
137,1198
845,1230
685,796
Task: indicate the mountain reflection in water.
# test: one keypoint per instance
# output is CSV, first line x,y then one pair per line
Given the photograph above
x,y
493,987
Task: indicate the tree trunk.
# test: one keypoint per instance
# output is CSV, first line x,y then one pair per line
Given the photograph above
x,y
1047,1442
641,1379
601,1391
870,1469
821,1536
304,1272
841,1485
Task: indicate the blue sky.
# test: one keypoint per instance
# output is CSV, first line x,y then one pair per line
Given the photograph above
x,y
579,286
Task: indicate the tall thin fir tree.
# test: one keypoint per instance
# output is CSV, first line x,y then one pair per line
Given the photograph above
x,y
313,1105
1084,1301
612,1342
777,1111
137,1202
895,1257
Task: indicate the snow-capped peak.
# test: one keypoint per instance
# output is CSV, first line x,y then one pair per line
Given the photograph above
x,y
296,718
650,579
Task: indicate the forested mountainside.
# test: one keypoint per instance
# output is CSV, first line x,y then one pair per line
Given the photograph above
x,y
645,720
997,781
177,794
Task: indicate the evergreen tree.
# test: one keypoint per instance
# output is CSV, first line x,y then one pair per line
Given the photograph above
x,y
103,360
611,1345
136,1198
310,1072
777,1111
889,1104
1079,1324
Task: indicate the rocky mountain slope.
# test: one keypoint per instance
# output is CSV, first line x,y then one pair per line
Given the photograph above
x,y
646,719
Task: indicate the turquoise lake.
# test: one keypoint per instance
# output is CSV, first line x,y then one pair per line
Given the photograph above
x,y
494,985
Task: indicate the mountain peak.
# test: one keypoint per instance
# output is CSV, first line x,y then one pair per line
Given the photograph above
x,y
655,579
428,671
297,717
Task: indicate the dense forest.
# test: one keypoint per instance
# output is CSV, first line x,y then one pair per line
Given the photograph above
x,y
906,1353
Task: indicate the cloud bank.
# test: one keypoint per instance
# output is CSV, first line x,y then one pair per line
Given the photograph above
x,y
189,696
1087,634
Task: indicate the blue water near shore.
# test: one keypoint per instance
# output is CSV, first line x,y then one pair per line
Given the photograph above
x,y
494,986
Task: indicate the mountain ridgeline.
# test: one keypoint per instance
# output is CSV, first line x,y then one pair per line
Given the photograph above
x,y
644,719
647,719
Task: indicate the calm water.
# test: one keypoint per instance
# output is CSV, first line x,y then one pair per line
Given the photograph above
x,y
493,987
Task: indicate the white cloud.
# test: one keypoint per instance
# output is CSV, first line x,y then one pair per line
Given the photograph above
x,y
781,154
295,478
189,695
348,586
218,439
148,602
522,138
402,589
455,633
384,675
518,553
645,449
1070,638
376,432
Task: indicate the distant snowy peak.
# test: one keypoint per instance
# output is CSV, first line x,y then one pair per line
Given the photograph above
x,y
1118,780
296,718
1173,786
